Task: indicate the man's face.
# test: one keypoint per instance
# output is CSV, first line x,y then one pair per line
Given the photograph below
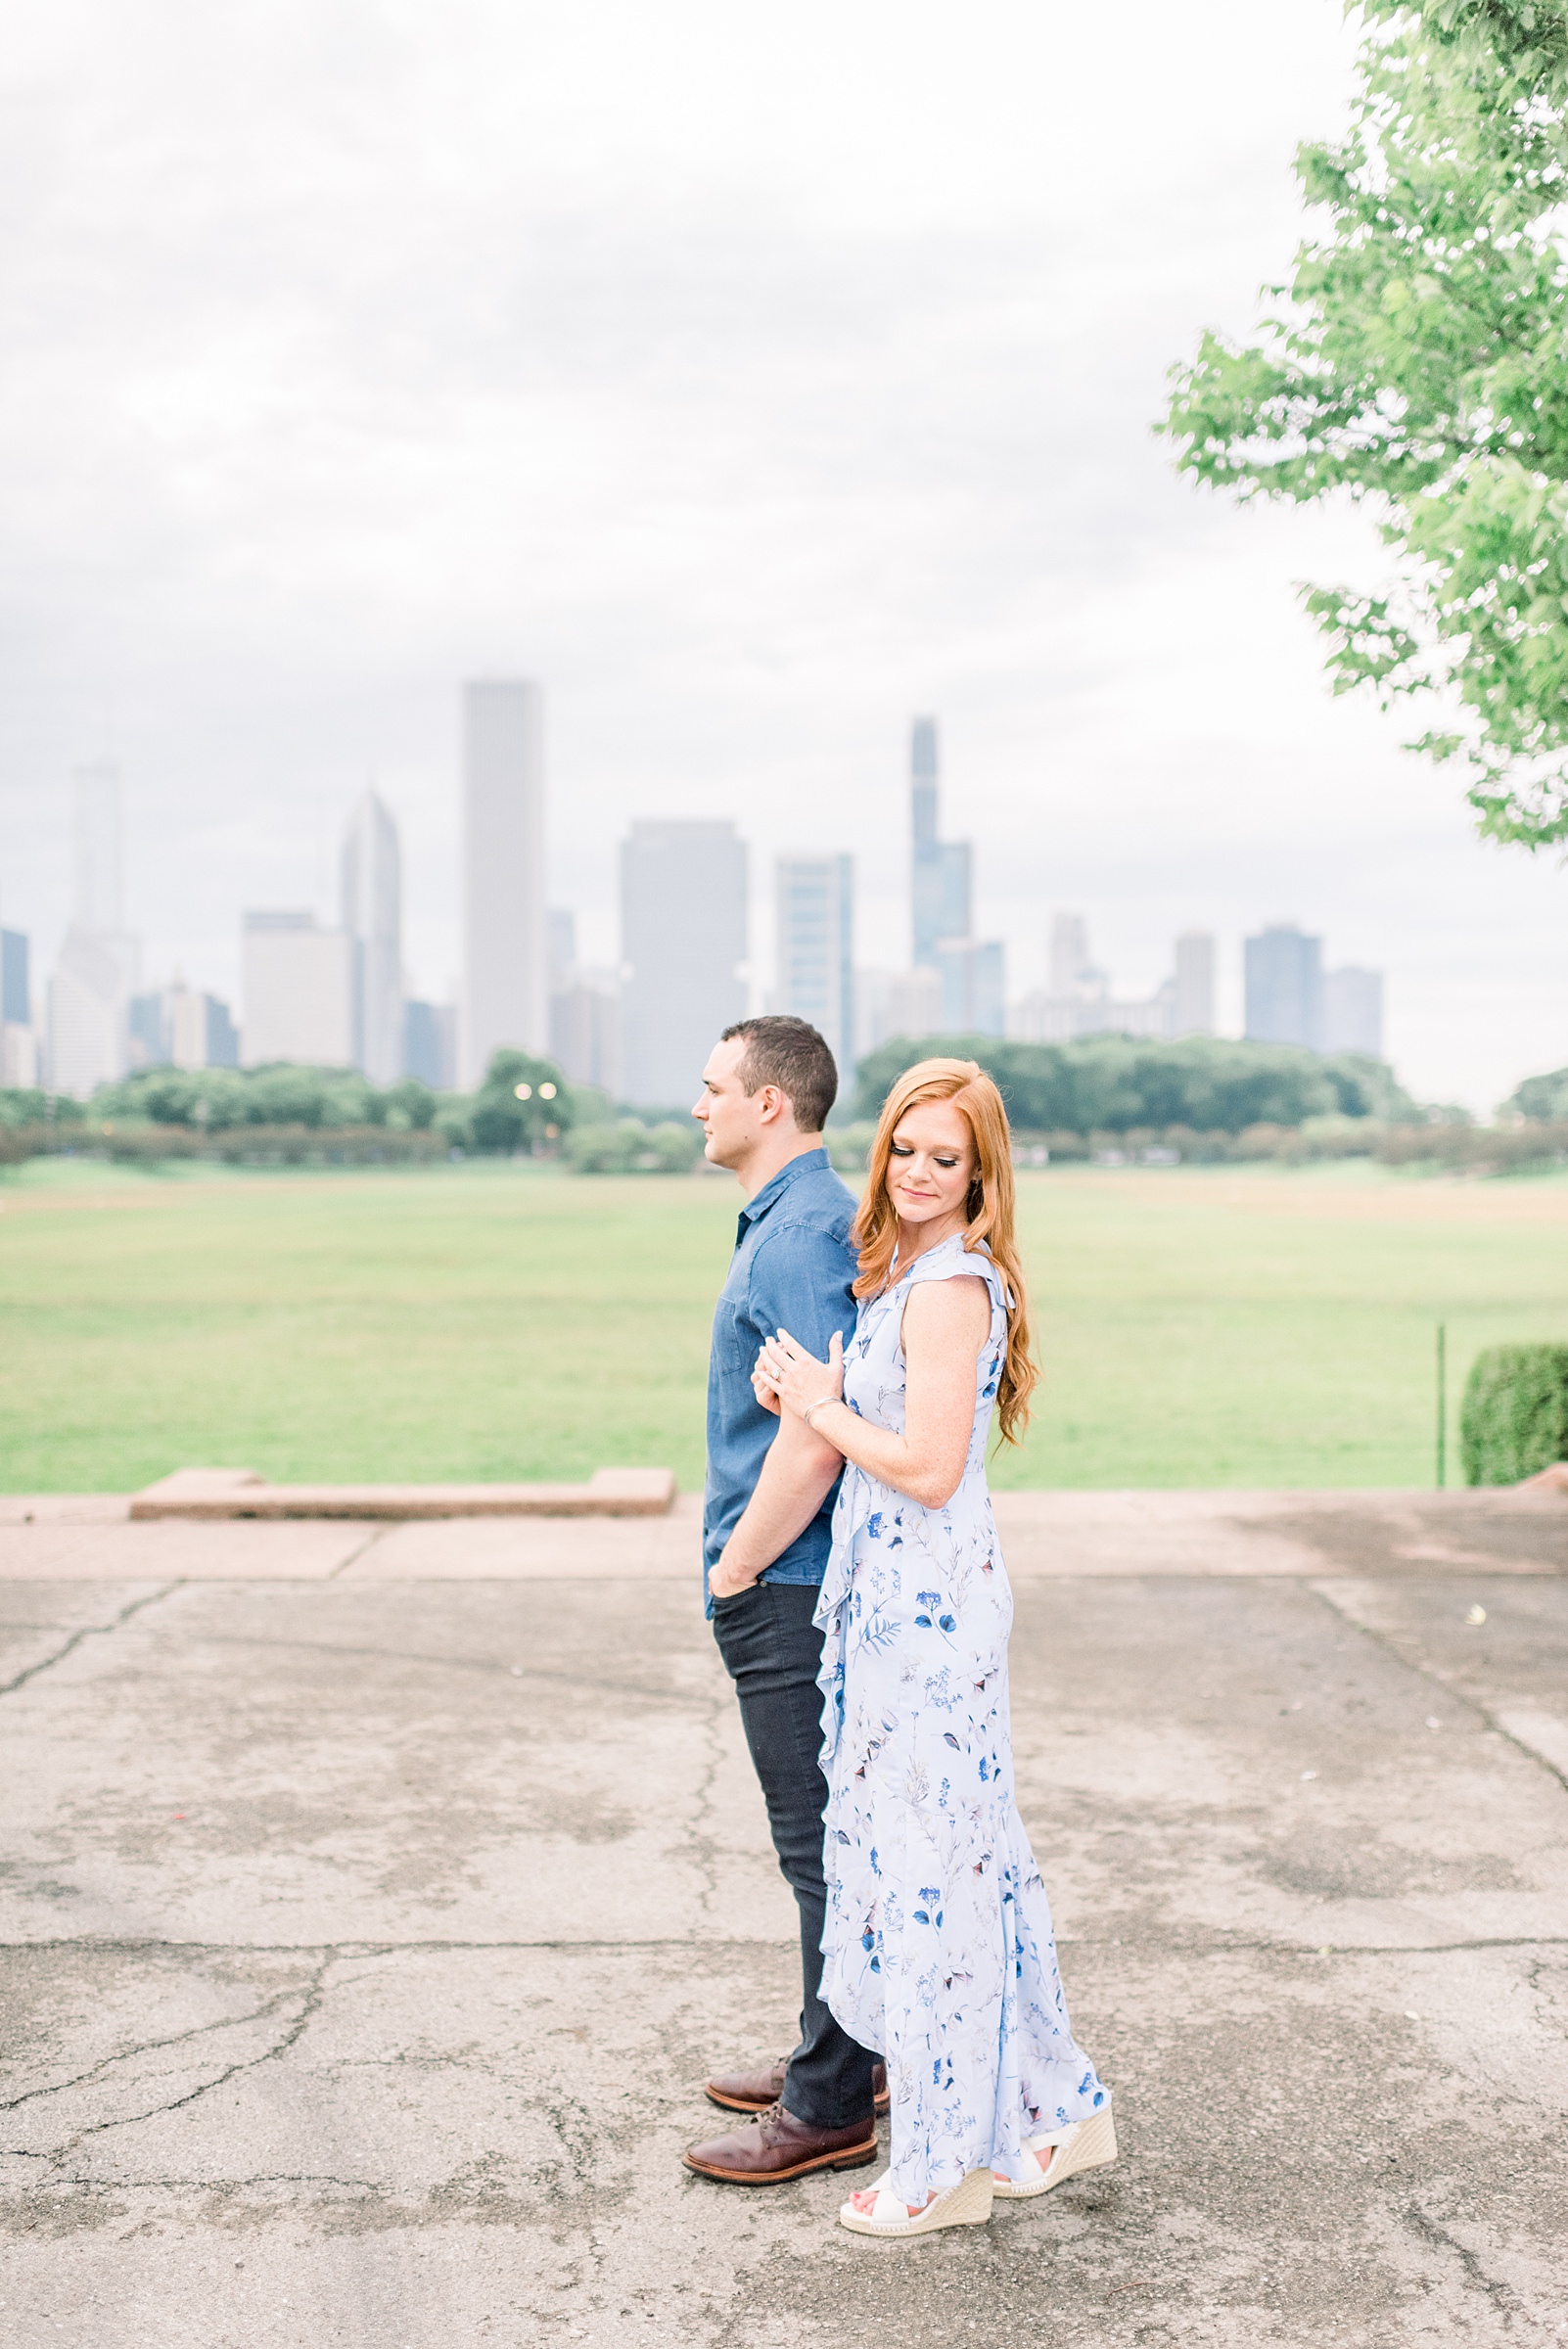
x,y
729,1115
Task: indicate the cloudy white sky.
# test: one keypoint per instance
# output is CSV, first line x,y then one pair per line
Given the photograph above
x,y
754,377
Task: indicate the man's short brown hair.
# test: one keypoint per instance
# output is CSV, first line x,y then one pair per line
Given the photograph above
x,y
788,1052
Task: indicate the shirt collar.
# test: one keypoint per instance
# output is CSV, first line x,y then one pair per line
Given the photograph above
x,y
810,1162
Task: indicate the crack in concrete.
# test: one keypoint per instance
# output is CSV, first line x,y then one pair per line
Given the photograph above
x,y
377,1533
151,2047
88,1630
1501,2296
310,2002
1162,1944
85,2184
1391,1646
698,1838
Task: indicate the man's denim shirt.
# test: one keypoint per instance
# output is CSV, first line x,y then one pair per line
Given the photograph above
x,y
792,1270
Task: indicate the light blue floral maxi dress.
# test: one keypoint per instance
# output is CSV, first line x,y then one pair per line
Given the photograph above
x,y
938,1946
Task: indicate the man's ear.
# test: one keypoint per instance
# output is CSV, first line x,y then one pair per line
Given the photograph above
x,y
772,1104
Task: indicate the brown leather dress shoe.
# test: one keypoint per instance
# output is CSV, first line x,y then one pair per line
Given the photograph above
x,y
754,2092
775,2146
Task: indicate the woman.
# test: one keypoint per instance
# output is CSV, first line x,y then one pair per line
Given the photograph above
x,y
937,1948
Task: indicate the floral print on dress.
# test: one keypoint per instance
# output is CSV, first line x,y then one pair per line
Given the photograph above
x,y
937,1948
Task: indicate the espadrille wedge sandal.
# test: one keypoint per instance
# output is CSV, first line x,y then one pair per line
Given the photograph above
x,y
1083,2146
966,2204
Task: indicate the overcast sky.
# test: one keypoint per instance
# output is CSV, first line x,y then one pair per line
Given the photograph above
x,y
755,378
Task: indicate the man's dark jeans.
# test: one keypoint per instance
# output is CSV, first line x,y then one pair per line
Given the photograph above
x,y
772,1651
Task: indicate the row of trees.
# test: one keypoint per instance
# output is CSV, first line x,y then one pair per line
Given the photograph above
x,y
1117,1085
524,1100
1105,1085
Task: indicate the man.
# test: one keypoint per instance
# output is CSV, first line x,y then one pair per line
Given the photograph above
x,y
766,1518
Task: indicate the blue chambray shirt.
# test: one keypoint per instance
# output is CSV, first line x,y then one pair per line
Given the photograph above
x,y
792,1270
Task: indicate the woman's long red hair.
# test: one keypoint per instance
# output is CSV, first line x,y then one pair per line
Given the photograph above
x,y
991,1203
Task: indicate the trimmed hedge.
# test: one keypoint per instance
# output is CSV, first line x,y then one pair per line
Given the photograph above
x,y
1514,1419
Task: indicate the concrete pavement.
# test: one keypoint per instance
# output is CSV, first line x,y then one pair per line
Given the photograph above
x,y
367,1932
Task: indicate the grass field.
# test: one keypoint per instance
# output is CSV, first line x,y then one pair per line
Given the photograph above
x,y
1197,1327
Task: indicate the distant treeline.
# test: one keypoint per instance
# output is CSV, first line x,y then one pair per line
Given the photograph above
x,y
1542,1099
1119,1084
1199,1100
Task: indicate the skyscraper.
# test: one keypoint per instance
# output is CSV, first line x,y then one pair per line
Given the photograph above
x,y
683,940
1285,987
99,963
1192,995
1073,977
586,1029
505,938
19,1045
974,986
893,1003
816,948
430,1043
372,920
100,850
16,992
89,1000
298,991
179,1027
1353,1011
940,870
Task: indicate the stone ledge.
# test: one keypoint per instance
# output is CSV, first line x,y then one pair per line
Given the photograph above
x,y
209,1494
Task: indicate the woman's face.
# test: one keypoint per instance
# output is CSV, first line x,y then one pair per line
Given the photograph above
x,y
931,1163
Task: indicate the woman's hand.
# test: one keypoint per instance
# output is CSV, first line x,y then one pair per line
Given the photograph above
x,y
798,1378
763,1388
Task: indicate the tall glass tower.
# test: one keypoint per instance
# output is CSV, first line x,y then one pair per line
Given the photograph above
x,y
505,928
816,948
684,947
372,917
940,869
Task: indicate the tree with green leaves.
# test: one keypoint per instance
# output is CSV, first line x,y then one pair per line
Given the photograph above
x,y
1120,1084
524,1102
1417,361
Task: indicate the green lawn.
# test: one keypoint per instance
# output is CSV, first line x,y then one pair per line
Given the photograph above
x,y
1197,1327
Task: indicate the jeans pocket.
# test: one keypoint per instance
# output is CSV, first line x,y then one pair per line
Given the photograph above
x,y
732,1600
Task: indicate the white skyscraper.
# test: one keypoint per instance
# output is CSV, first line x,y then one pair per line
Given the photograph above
x,y
816,948
683,937
298,991
891,1003
100,850
88,1000
99,965
1192,993
372,919
1353,1011
505,930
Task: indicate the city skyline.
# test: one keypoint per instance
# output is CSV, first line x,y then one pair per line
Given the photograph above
x,y
335,994
751,462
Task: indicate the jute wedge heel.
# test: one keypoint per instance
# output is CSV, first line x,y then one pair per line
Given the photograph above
x,y
966,2204
1083,2146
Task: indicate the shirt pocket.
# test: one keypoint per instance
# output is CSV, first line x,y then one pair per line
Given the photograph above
x,y
735,1342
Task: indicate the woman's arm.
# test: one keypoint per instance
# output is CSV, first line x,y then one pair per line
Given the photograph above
x,y
946,1323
